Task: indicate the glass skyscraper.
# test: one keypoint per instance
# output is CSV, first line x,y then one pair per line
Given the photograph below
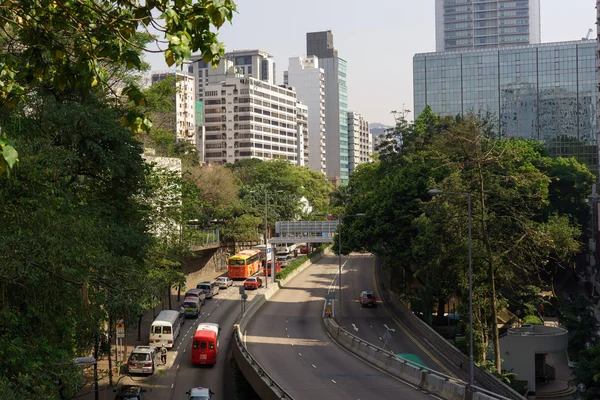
x,y
476,24
545,92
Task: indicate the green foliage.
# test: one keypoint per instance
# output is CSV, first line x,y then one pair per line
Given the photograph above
x,y
587,372
578,319
533,320
291,267
508,377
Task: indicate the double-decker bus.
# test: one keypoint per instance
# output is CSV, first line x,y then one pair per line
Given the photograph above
x,y
244,264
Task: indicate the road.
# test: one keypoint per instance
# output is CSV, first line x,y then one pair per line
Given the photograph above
x,y
288,339
179,375
370,324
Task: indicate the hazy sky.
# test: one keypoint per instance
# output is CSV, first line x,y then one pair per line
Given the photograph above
x,y
377,38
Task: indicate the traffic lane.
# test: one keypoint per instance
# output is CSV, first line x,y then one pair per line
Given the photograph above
x,y
372,323
288,339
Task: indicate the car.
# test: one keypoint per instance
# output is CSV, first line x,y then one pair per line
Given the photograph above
x,y
367,299
210,288
305,249
130,392
284,260
224,282
252,282
199,393
142,360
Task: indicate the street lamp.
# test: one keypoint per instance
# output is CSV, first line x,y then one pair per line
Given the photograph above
x,y
435,192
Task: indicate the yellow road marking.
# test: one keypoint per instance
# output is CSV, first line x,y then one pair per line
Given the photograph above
x,y
406,332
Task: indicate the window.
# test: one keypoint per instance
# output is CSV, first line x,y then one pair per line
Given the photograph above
x,y
203,346
167,330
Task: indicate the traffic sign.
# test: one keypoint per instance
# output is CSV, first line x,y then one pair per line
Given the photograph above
x,y
244,296
120,329
242,290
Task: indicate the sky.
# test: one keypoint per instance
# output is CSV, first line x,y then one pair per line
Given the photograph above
x,y
378,39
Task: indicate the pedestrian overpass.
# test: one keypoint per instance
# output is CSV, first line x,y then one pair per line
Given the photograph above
x,y
304,232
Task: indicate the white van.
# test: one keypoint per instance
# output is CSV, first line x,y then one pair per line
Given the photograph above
x,y
283,249
165,329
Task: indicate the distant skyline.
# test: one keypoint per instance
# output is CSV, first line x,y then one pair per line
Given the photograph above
x,y
378,42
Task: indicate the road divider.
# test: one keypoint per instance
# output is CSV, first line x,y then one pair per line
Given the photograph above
x,y
437,383
258,377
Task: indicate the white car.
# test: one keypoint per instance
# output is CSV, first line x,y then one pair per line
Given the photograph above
x,y
224,282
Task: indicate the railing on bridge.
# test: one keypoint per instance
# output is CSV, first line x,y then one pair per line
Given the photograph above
x,y
304,231
200,237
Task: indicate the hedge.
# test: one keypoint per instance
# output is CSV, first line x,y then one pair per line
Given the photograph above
x,y
288,269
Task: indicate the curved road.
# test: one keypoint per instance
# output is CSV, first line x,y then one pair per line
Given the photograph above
x,y
288,339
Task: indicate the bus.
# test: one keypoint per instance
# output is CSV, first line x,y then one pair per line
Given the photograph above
x,y
205,344
244,264
165,329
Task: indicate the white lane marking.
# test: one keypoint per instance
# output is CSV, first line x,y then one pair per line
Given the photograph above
x,y
172,384
184,350
333,381
288,335
355,328
370,325
292,344
208,315
386,327
300,354
379,337
178,366
313,365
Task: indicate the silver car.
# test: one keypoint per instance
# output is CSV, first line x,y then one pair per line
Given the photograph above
x,y
224,282
142,360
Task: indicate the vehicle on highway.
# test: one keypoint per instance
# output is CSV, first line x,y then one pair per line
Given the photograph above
x,y
262,248
224,282
165,329
142,360
283,249
284,260
192,306
269,269
367,299
200,393
130,392
305,249
199,293
205,344
210,288
253,282
244,264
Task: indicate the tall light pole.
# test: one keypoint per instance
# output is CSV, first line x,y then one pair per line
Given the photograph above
x,y
434,192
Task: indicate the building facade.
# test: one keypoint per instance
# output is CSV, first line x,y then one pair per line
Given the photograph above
x,y
360,141
303,149
545,92
320,44
308,79
476,24
183,123
249,118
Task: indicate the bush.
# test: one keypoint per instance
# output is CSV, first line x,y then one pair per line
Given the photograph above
x,y
299,261
532,319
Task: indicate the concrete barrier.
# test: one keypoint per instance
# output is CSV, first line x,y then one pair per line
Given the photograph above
x,y
442,385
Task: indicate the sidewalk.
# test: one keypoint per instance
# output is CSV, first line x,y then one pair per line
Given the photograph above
x,y
131,336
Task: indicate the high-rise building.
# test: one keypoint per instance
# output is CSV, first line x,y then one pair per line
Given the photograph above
x,y
182,122
303,150
360,141
476,24
545,92
320,44
257,64
308,80
249,118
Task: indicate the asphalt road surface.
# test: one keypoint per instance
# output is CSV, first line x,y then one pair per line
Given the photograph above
x,y
288,338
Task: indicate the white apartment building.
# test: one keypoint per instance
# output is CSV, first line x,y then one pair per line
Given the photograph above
x,y
183,123
303,140
474,24
257,64
308,79
248,118
360,141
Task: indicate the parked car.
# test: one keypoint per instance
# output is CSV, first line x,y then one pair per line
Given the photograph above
x,y
224,282
199,293
142,360
253,282
130,392
199,393
368,299
305,249
210,288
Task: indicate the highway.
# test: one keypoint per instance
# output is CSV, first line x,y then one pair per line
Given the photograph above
x,y
179,375
288,339
370,324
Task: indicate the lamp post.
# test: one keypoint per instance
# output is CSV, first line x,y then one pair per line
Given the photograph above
x,y
435,192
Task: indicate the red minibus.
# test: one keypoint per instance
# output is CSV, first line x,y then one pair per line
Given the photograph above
x,y
205,344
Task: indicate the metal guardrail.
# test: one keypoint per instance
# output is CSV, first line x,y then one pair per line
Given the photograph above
x,y
445,377
257,367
